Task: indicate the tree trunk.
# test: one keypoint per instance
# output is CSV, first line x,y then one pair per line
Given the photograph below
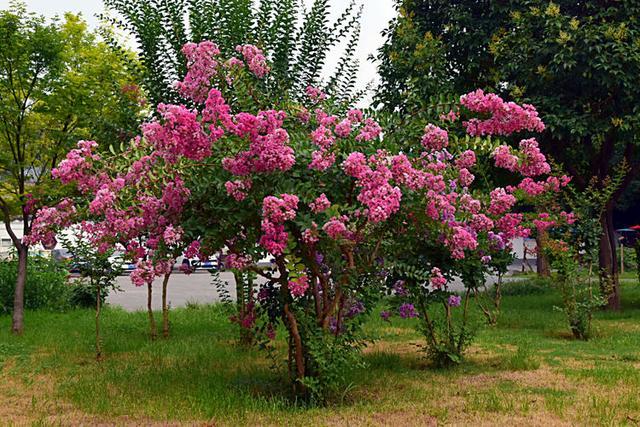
x,y
152,321
542,263
165,308
609,283
98,339
17,325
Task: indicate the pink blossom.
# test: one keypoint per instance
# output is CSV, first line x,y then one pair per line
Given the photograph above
x,y
356,165
237,261
505,117
434,138
369,131
336,228
343,129
172,235
238,189
48,221
504,159
501,201
179,134
569,218
298,286
315,94
255,60
202,66
143,274
438,281
320,204
355,116
534,163
465,178
323,137
193,250
322,160
510,226
104,199
466,159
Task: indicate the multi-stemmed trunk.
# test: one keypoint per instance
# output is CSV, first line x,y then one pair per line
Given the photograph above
x,y
328,301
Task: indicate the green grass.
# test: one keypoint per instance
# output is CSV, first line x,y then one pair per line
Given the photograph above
x,y
527,367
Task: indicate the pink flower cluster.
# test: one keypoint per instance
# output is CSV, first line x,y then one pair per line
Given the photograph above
x,y
298,286
505,117
381,198
275,212
238,189
336,228
501,201
534,163
315,94
320,204
434,138
268,150
324,136
255,60
202,66
438,281
237,261
179,134
48,220
77,165
371,130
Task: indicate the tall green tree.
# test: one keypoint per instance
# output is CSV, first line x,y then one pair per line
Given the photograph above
x,y
296,41
577,62
58,84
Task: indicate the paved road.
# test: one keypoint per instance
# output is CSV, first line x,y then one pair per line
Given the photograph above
x,y
183,289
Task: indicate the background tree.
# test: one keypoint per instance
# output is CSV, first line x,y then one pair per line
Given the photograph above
x,y
295,41
58,84
576,61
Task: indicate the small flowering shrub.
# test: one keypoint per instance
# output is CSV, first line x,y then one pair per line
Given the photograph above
x,y
316,188
455,224
573,251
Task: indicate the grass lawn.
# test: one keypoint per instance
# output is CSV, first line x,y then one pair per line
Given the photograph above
x,y
527,370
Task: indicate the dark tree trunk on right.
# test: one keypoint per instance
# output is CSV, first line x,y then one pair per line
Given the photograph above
x,y
609,280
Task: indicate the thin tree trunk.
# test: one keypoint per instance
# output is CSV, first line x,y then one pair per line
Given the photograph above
x,y
165,308
152,321
98,339
542,263
609,283
17,324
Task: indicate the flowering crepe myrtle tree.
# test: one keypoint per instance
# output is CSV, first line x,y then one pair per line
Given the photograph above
x,y
131,201
318,190
459,225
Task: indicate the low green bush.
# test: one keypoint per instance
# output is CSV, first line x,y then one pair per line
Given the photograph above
x,y
46,286
529,286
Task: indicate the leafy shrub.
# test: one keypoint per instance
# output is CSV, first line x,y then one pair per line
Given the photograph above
x,y
46,285
83,294
532,286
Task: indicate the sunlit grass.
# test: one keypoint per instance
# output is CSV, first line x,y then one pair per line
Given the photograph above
x,y
527,366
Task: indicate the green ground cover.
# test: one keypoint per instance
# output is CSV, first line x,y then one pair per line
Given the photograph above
x,y
526,370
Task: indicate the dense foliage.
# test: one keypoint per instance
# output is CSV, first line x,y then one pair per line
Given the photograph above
x,y
46,286
296,41
576,61
319,191
58,84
